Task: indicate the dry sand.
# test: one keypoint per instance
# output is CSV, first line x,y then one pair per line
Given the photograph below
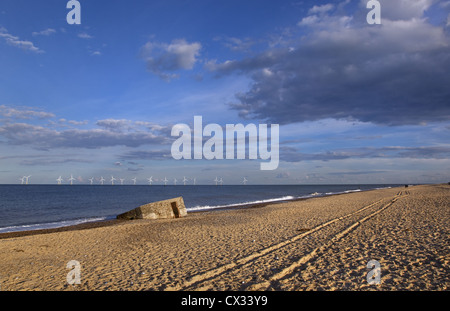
x,y
316,244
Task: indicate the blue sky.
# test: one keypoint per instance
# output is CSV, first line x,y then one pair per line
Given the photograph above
x,y
356,103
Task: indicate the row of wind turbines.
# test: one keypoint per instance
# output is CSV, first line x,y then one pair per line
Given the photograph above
x,y
150,181
25,179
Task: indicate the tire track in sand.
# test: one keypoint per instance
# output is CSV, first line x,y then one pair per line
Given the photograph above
x,y
242,261
288,271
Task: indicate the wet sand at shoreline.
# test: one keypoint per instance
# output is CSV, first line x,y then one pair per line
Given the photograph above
x,y
323,243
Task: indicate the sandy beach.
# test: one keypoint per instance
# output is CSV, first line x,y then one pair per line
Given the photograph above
x,y
322,243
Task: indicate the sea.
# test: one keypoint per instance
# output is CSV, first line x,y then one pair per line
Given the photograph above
x,y
33,207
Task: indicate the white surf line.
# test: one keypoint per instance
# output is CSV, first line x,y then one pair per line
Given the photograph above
x,y
214,272
290,269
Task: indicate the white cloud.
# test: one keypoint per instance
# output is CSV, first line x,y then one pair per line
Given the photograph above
x,y
46,32
84,35
321,9
114,124
24,113
72,122
402,9
185,53
236,44
326,21
16,42
163,59
308,20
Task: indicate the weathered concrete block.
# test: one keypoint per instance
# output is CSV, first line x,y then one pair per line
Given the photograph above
x,y
172,208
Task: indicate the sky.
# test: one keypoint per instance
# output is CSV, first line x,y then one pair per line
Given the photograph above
x,y
356,103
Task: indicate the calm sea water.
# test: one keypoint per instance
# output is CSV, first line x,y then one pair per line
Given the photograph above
x,y
31,207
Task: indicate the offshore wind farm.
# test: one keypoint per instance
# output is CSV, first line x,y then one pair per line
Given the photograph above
x,y
25,180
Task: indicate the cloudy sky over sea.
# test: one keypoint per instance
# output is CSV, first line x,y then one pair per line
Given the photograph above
x,y
356,103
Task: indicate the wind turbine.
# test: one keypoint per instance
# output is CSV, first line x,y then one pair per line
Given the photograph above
x,y
121,181
71,179
165,181
184,180
194,181
112,180
244,181
175,181
134,180
216,180
221,181
102,180
22,179
150,180
91,180
59,180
